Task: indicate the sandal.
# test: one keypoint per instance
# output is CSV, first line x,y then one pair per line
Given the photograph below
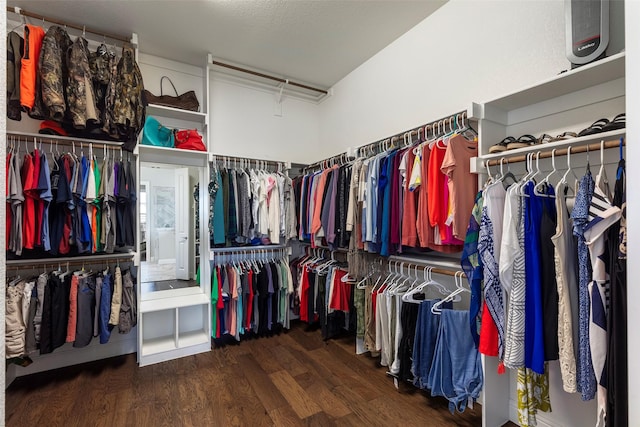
x,y
596,127
564,135
523,141
618,122
502,145
545,138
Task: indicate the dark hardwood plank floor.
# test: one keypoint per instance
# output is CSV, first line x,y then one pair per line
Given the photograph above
x,y
294,379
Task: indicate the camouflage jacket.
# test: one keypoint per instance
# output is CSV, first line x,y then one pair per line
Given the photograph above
x,y
80,96
129,109
53,72
102,64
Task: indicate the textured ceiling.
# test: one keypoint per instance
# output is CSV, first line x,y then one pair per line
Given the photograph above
x,y
317,42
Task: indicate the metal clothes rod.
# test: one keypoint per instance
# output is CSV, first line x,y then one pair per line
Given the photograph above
x,y
83,28
90,259
248,249
415,131
68,142
341,159
558,152
440,267
269,77
217,158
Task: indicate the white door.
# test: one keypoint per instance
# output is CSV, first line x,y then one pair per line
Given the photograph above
x,y
183,224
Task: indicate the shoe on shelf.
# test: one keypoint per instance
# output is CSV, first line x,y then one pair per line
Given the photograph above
x,y
523,141
596,127
501,146
564,135
618,122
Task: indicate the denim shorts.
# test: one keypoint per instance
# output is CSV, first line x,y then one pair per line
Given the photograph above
x,y
456,371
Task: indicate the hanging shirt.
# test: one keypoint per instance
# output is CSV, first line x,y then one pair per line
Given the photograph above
x,y
580,214
463,184
602,214
565,257
409,205
89,199
29,188
46,196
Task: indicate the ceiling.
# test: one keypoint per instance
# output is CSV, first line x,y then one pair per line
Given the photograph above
x,y
317,42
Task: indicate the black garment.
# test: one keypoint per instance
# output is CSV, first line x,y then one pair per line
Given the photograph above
x,y
225,199
616,369
15,47
122,200
408,320
59,308
320,303
275,299
130,208
86,311
344,179
311,297
233,219
297,188
305,207
548,280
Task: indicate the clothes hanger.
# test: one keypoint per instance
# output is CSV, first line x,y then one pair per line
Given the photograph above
x,y
509,175
602,172
435,309
563,180
539,189
23,21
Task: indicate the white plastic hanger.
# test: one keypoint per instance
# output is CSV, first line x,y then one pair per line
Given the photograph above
x,y
459,289
539,189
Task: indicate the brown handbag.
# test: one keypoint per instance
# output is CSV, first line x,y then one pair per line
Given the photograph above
x,y
186,101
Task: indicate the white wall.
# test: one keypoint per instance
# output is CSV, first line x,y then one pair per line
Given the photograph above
x,y
466,51
243,123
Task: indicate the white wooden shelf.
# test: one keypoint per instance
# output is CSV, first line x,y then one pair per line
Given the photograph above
x,y
478,162
176,113
171,303
166,151
187,339
158,345
587,76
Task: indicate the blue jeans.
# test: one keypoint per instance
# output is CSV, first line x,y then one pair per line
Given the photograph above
x,y
456,372
425,342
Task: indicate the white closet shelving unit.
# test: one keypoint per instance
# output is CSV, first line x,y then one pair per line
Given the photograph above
x,y
176,323
67,355
567,102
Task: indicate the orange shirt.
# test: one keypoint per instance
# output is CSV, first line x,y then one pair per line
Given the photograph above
x,y
33,37
463,185
73,310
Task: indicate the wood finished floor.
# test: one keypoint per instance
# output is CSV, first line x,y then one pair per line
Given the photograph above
x,y
294,379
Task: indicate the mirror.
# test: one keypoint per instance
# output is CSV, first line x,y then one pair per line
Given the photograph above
x,y
169,228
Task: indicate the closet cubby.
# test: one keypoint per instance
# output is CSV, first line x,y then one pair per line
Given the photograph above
x,y
570,101
192,326
173,327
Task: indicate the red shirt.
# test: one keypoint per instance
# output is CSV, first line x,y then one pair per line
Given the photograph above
x,y
29,210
